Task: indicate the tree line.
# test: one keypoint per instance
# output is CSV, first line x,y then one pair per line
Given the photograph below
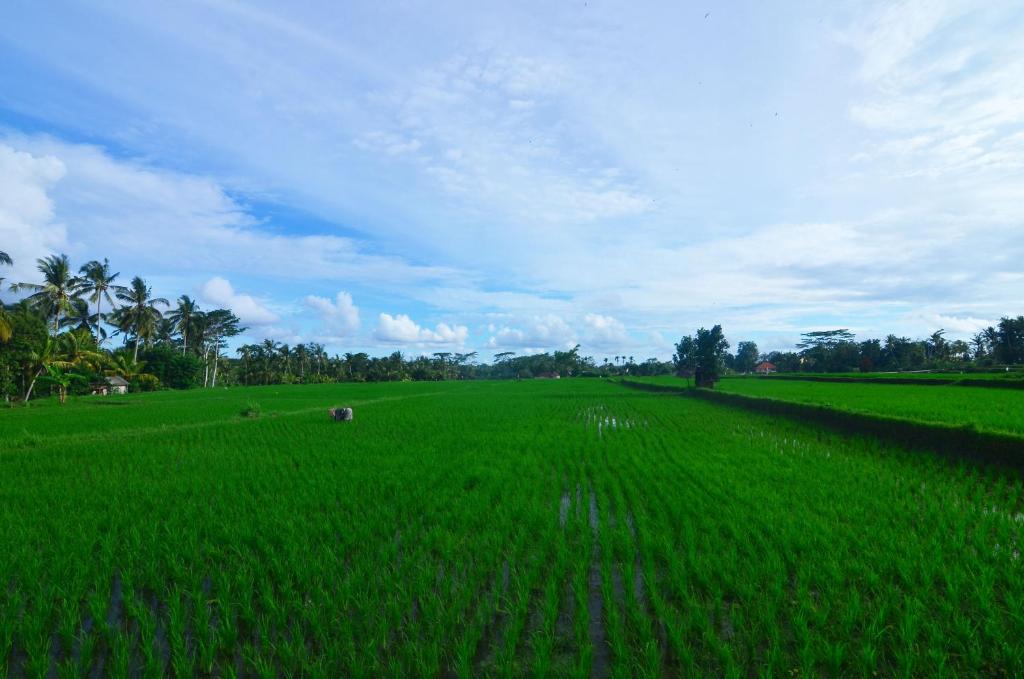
x,y
56,336
705,356
61,338
76,328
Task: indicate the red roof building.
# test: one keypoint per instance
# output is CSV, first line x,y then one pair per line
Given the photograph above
x,y
764,368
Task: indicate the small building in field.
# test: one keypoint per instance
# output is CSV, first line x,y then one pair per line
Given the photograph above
x,y
764,368
117,385
548,376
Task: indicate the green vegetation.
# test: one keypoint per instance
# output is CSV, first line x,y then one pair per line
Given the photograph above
x,y
836,351
547,527
998,410
911,377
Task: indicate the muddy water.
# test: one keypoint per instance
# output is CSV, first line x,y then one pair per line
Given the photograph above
x,y
595,599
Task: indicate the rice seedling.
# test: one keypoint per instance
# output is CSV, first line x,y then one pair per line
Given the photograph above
x,y
500,529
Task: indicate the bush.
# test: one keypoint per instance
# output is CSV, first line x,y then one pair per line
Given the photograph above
x,y
174,369
251,409
145,383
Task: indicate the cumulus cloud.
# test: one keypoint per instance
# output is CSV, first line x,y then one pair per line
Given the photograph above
x,y
605,332
958,325
340,317
549,331
218,291
401,329
28,229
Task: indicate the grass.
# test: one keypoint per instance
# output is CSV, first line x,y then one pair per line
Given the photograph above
x,y
565,528
951,375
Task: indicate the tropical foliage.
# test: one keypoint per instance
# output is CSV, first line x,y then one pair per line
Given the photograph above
x,y
66,317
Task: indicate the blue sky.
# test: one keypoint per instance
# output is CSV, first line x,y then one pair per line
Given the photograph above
x,y
526,176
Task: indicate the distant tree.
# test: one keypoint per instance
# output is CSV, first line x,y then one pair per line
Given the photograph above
x,y
45,355
829,350
1008,342
6,328
124,366
5,322
173,369
870,355
139,315
711,347
78,317
6,260
959,351
824,338
567,363
746,357
938,348
182,317
98,282
685,357
55,295
221,324
61,379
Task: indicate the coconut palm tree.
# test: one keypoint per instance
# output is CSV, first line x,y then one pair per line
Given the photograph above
x,y
46,355
6,330
122,366
139,315
98,283
78,348
5,259
78,316
62,379
164,333
183,317
56,295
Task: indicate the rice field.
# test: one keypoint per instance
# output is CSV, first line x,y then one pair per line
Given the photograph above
x,y
995,410
550,528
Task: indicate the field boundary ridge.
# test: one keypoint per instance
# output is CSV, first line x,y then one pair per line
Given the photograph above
x,y
955,441
994,383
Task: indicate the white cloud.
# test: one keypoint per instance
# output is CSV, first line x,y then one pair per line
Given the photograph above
x,y
958,325
548,331
401,329
542,162
944,88
605,332
27,227
218,291
172,223
340,317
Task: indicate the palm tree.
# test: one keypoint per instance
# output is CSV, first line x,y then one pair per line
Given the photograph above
x,y
5,259
164,333
78,316
182,318
79,349
62,379
6,330
121,366
98,283
41,359
139,315
59,288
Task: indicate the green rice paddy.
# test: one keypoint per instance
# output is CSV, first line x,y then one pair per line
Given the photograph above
x,y
997,410
549,528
